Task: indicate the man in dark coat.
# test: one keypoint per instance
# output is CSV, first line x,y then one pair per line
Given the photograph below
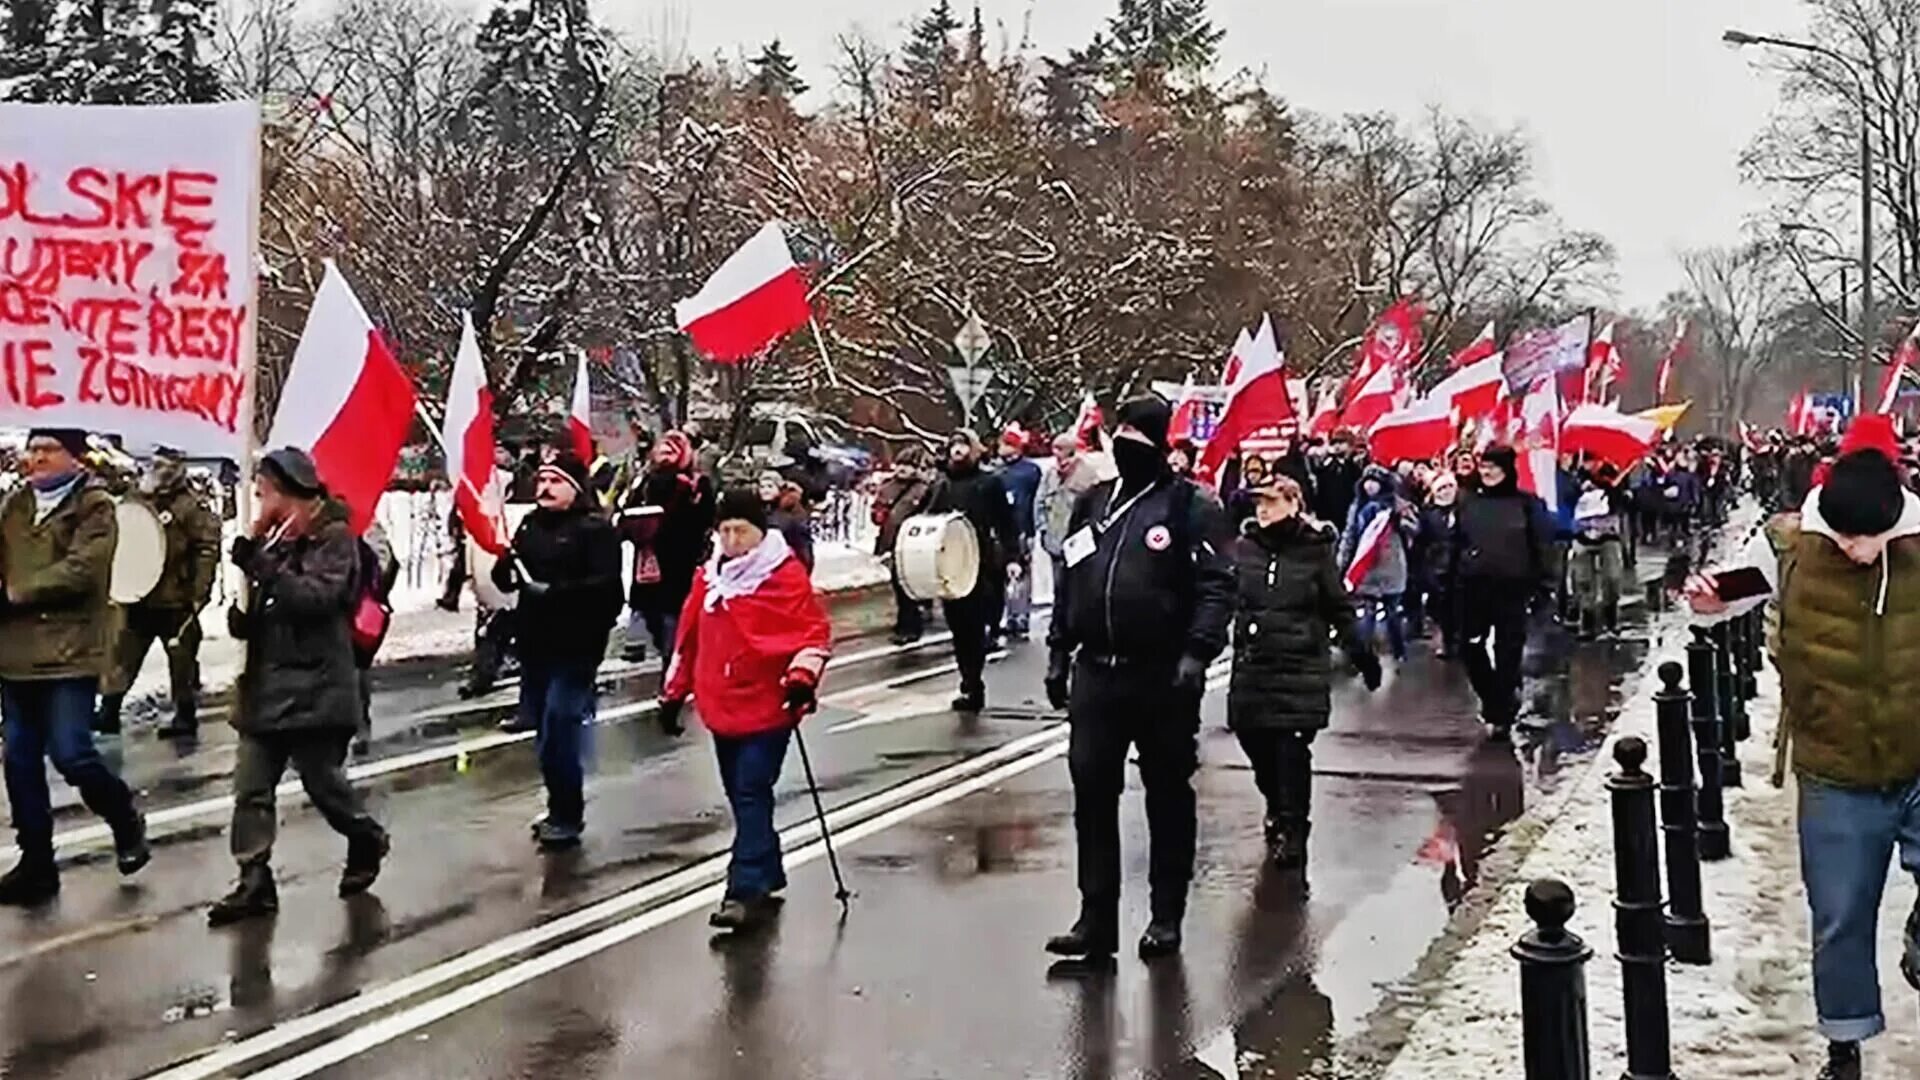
x,y
668,518
1289,598
57,534
1504,562
298,697
565,565
1141,613
970,490
903,495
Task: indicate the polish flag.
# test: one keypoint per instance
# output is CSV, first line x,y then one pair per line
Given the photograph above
x,y
1675,353
1604,366
757,297
1185,412
1089,428
1256,398
1476,390
1538,442
1420,432
1607,435
1297,397
1392,343
1800,414
1482,347
1896,371
1326,417
580,414
1375,398
346,400
467,436
1367,550
1242,346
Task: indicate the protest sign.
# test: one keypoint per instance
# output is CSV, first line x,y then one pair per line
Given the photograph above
x,y
127,241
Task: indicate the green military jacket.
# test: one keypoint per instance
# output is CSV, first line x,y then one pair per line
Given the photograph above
x,y
193,550
59,569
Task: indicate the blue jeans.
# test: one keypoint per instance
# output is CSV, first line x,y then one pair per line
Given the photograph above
x,y
749,767
1847,837
1369,610
53,718
561,697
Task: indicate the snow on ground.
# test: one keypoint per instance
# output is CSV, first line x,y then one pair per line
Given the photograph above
x,y
1749,1014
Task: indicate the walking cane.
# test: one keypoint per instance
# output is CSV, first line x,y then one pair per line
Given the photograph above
x,y
806,762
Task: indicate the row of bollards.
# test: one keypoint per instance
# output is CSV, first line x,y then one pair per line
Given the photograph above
x,y
1699,723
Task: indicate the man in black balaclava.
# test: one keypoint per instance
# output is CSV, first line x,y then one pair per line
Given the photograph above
x,y
1503,562
1140,613
970,490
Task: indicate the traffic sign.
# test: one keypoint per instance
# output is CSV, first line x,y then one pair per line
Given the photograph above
x,y
973,341
969,385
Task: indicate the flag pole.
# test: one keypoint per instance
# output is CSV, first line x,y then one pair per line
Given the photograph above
x,y
250,363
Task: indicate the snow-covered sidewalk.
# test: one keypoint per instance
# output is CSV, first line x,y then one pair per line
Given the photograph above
x,y
1750,1013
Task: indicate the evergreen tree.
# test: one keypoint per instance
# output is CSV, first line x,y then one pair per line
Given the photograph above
x,y
111,52
930,58
976,39
775,75
1158,37
1070,90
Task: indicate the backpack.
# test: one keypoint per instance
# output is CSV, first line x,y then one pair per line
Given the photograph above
x,y
372,615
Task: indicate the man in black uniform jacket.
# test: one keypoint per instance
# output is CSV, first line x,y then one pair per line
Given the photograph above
x,y
969,489
1145,604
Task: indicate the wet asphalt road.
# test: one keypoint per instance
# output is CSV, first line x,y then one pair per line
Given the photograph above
x,y
477,957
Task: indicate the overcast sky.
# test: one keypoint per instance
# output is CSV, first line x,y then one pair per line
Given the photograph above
x,y
1638,110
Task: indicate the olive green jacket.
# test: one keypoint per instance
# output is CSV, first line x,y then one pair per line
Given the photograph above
x,y
60,569
1849,655
193,550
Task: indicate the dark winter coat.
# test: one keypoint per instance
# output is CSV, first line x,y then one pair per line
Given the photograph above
x,y
63,565
1433,549
1159,583
1334,480
300,673
1288,598
1505,536
899,499
1021,478
193,549
576,554
678,536
982,497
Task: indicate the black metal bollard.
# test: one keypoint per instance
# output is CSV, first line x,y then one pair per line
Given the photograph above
x,y
1729,706
1715,844
1553,987
1638,923
1742,630
1689,935
1756,621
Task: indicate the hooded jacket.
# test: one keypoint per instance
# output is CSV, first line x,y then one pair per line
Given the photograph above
x,y
1388,574
1288,596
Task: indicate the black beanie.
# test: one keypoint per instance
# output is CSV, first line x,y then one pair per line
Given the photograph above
x,y
1863,495
72,440
292,470
1503,457
573,470
1150,417
743,504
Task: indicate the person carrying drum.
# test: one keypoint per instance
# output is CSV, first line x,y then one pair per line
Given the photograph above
x,y
57,536
170,612
978,495
1142,611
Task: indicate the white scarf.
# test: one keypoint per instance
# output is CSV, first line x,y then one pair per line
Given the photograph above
x,y
733,578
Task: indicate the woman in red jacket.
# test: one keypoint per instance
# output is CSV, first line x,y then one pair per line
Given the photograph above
x,y
753,641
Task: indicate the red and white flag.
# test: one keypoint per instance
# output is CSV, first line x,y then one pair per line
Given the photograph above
x,y
467,436
1256,398
1604,366
1903,359
1476,390
1482,347
1608,435
580,414
1326,415
1367,550
1185,412
1675,353
1537,442
1420,432
757,297
1376,397
1089,428
346,401
1236,357
1391,343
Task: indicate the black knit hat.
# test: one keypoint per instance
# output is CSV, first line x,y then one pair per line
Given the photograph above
x,y
1149,416
292,470
743,504
1502,457
1863,495
72,440
572,470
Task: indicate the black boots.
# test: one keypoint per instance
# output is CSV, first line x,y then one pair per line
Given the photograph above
x,y
364,855
107,720
1162,939
1287,843
1091,938
736,915
254,897
33,880
1843,1062
185,723
130,850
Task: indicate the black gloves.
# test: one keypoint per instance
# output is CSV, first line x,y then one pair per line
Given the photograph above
x,y
238,625
1191,675
244,550
1058,662
801,696
668,713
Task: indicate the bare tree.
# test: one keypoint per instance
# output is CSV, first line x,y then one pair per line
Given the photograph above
x,y
1738,297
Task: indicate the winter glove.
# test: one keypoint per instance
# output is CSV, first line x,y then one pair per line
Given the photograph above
x,y
1191,675
1057,664
668,714
802,695
237,623
245,550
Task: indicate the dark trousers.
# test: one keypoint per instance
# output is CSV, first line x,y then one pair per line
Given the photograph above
x,y
493,640
909,615
749,768
1282,763
1113,710
561,697
319,758
1494,626
1443,607
971,619
178,632
456,577
52,719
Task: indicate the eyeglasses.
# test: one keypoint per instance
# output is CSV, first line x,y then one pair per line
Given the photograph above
x,y
45,446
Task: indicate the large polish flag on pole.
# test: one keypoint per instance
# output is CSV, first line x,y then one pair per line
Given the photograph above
x,y
467,438
1256,398
1607,435
1903,359
580,413
1538,442
1420,432
346,400
1375,398
1482,347
757,297
1475,391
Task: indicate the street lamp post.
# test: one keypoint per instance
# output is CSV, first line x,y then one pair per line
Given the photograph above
x,y
1868,331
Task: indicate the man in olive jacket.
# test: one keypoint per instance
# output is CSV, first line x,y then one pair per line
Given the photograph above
x,y
298,697
1847,586
56,557
170,613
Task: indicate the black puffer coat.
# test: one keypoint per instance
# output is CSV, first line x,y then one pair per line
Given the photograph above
x,y
1287,598
300,673
576,554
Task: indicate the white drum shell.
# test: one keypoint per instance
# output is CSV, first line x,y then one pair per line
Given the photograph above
x,y
140,555
938,557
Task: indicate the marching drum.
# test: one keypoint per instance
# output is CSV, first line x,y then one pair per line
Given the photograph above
x,y
140,556
480,563
938,556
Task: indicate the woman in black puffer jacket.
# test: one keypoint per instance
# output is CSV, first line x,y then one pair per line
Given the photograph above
x,y
1288,599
